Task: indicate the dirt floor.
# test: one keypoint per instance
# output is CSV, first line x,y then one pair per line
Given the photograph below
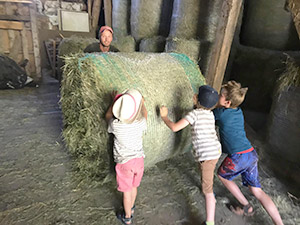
x,y
38,184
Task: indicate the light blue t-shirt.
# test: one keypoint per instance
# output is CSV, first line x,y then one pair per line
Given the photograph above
x,y
232,131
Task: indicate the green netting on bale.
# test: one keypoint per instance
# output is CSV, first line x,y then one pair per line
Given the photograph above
x,y
163,79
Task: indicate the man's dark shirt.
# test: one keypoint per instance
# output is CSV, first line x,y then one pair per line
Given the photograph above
x,y
94,47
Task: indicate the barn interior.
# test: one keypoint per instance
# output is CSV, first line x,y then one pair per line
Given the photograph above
x,y
56,166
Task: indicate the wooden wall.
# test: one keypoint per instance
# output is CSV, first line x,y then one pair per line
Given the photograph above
x,y
18,34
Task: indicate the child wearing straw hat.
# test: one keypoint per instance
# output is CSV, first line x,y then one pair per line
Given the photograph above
x,y
126,119
206,147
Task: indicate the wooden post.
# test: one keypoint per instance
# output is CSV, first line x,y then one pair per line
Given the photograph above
x,y
54,59
96,12
35,41
221,48
89,2
107,12
294,6
25,49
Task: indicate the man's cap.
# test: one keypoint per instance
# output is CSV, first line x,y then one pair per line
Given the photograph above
x,y
103,28
207,96
127,105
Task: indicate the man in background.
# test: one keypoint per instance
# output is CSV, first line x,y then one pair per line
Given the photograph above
x,y
105,37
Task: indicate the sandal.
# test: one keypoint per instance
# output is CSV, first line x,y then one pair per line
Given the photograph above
x,y
124,220
243,211
132,210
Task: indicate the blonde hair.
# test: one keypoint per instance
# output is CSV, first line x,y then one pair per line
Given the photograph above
x,y
234,93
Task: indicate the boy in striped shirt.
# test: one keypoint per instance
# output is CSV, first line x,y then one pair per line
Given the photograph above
x,y
206,147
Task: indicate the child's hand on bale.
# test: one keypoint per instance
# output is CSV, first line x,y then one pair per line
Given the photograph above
x,y
163,111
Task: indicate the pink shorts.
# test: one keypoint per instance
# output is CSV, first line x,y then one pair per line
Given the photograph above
x,y
130,174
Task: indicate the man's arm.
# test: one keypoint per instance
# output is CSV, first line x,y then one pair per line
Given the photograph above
x,y
173,126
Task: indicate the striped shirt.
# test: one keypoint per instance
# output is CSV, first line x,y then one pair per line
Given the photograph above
x,y
206,145
128,139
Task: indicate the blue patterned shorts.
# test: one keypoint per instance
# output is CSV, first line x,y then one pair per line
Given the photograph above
x,y
244,164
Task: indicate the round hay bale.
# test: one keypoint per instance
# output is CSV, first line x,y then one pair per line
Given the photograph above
x,y
164,79
120,17
124,44
275,29
145,18
190,19
189,47
155,44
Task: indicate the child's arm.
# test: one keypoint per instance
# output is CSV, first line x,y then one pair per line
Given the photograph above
x,y
109,113
144,110
173,126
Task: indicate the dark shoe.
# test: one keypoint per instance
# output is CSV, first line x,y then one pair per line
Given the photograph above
x,y
245,211
124,220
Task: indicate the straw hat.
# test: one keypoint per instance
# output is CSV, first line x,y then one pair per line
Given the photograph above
x,y
127,106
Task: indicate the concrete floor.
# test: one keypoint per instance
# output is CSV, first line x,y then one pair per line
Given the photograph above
x,y
38,184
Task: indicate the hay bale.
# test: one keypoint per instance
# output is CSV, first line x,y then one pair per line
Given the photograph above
x,y
167,78
190,19
74,44
145,18
155,44
71,45
120,17
284,125
275,29
124,44
189,47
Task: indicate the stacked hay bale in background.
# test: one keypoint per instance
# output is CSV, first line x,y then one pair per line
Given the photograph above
x,y
71,45
164,79
155,44
149,18
189,47
120,18
124,44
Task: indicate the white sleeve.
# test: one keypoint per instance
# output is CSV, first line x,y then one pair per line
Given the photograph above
x,y
191,117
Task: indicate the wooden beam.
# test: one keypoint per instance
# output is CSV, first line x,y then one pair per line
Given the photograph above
x,y
35,41
96,12
221,47
107,12
11,25
89,4
14,18
17,1
294,6
25,48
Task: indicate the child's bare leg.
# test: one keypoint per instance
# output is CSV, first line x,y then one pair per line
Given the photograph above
x,y
235,191
127,201
210,204
267,203
133,195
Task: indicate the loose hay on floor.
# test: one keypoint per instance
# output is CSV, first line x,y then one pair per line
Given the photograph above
x,y
164,79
